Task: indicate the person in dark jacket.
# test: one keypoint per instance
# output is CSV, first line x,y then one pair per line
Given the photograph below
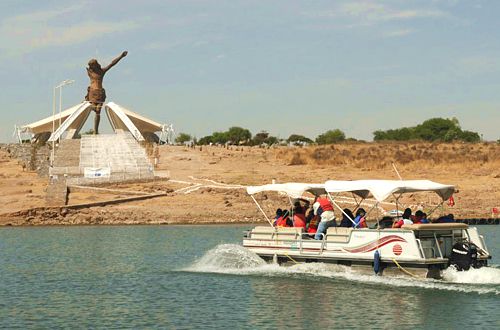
x,y
347,218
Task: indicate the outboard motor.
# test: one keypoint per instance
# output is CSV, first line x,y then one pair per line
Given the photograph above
x,y
463,256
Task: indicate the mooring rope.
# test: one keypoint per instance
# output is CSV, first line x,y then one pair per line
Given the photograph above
x,y
402,269
290,258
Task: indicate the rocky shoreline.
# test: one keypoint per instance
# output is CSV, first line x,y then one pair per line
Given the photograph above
x,y
61,216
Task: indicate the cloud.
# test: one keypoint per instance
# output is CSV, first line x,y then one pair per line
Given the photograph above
x,y
220,57
29,32
363,13
165,45
399,33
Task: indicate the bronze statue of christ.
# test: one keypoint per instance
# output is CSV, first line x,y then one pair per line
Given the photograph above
x,y
96,95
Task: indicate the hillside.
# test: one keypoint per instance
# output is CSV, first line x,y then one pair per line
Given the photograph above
x,y
202,186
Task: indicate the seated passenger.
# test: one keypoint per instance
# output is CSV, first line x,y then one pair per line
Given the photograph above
x,y
299,217
424,219
312,221
312,227
324,209
284,220
347,218
279,213
420,217
386,222
446,219
359,220
405,219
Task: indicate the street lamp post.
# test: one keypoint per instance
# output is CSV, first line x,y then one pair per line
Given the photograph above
x,y
60,86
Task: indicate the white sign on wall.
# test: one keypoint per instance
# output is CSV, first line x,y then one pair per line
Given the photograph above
x,y
97,172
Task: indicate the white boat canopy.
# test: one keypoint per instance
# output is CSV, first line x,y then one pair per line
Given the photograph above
x,y
293,189
382,189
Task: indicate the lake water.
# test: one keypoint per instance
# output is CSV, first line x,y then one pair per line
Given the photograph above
x,y
198,277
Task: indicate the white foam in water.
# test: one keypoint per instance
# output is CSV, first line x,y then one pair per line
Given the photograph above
x,y
485,275
226,257
235,259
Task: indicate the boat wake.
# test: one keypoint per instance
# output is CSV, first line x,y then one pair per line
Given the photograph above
x,y
236,260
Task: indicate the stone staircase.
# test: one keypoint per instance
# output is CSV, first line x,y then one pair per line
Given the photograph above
x,y
67,159
120,154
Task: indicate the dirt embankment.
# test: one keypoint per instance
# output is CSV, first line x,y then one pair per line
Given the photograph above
x,y
207,183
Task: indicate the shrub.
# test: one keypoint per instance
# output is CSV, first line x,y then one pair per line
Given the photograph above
x,y
298,138
182,138
434,129
331,136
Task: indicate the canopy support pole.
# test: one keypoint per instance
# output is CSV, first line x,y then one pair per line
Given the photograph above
x,y
434,209
342,211
358,204
371,209
291,204
397,204
261,210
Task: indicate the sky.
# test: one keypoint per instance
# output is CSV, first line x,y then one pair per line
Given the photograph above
x,y
286,67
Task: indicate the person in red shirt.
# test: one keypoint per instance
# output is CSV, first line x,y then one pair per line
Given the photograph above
x,y
405,219
324,208
299,216
284,220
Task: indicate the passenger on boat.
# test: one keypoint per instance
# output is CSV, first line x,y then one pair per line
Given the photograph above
x,y
299,216
420,218
347,216
405,219
446,218
324,209
284,220
312,221
424,219
386,222
360,220
279,213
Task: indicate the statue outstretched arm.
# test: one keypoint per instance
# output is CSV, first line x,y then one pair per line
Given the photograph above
x,y
115,61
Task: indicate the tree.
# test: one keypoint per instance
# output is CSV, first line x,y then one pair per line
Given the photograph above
x,y
469,136
298,138
206,140
331,136
237,134
434,129
260,138
272,140
89,132
263,137
220,137
182,138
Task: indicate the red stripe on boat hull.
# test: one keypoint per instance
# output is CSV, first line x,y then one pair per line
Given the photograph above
x,y
373,245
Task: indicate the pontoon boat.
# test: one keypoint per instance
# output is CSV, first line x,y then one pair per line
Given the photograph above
x,y
422,250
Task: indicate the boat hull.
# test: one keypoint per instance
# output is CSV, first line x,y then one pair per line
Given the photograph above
x,y
417,253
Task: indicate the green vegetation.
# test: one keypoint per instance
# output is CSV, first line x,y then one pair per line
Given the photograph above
x,y
89,132
235,135
331,136
264,137
435,129
182,138
296,138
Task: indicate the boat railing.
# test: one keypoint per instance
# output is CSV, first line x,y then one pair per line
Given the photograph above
x,y
290,237
485,248
438,247
420,249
